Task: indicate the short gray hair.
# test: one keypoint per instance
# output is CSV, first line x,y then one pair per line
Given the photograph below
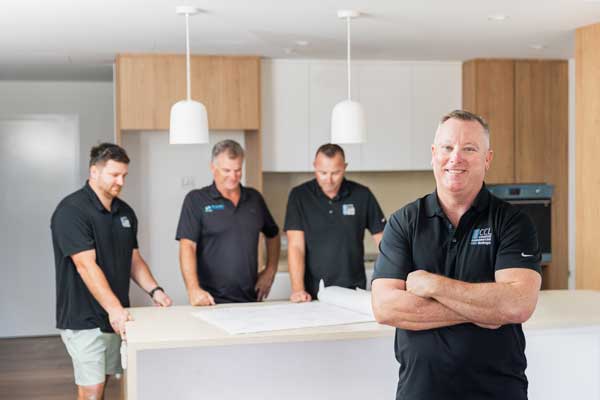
x,y
231,147
463,115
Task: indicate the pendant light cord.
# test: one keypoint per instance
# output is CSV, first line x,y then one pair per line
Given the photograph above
x,y
187,56
349,76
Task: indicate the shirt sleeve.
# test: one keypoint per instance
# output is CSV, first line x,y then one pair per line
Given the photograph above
x,y
293,213
72,230
518,246
375,217
395,255
190,221
269,228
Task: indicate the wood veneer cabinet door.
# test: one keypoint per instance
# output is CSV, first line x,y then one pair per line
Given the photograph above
x,y
489,91
587,137
541,147
148,85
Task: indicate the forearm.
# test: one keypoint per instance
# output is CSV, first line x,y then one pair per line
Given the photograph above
x,y
296,268
98,285
188,265
397,307
273,251
141,274
492,303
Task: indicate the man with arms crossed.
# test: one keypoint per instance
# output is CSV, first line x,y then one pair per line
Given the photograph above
x,y
94,234
218,235
458,272
325,224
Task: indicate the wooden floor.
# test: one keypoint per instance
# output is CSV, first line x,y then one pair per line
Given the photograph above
x,y
40,368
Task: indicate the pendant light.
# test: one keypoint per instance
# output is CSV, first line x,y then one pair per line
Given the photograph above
x,y
348,124
189,121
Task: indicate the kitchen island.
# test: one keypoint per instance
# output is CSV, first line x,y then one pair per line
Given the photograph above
x,y
172,354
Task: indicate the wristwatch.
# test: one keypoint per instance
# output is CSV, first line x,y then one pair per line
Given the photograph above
x,y
151,293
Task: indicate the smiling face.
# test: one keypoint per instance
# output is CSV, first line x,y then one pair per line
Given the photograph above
x,y
460,156
227,172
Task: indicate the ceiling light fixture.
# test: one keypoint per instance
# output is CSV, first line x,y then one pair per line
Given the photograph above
x,y
189,120
498,17
348,124
537,46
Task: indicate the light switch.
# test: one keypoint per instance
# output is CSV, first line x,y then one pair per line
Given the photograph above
x,y
187,181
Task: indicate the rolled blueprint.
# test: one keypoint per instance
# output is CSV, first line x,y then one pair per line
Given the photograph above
x,y
352,299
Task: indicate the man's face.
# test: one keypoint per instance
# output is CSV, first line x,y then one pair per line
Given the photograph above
x,y
227,172
109,178
329,172
460,156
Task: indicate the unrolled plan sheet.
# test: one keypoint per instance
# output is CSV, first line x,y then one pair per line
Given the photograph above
x,y
337,306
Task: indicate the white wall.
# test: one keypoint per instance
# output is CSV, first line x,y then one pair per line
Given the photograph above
x,y
89,103
160,175
92,102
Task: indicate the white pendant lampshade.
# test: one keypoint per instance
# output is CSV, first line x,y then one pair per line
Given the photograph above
x,y
348,122
189,120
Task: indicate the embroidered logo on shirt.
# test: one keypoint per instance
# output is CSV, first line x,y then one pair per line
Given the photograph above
x,y
348,209
125,222
481,236
213,207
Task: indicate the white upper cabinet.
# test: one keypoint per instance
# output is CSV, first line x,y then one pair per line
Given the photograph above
x,y
403,102
329,86
285,104
436,90
385,96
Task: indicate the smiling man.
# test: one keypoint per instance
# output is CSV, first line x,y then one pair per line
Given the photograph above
x,y
325,224
94,234
458,272
218,235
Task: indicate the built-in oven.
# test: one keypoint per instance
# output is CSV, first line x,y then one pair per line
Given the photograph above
x,y
535,199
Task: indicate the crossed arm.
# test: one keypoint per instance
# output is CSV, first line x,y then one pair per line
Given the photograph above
x,y
427,301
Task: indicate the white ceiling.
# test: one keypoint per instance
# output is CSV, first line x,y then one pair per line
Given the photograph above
x,y
80,37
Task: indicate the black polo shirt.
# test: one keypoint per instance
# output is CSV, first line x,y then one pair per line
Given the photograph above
x,y
462,361
334,231
80,222
227,240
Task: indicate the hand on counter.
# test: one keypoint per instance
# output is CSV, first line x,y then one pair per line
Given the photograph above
x,y
300,296
264,283
201,297
117,318
161,299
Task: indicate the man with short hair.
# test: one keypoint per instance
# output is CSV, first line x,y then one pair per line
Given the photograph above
x,y
457,275
218,236
94,235
325,223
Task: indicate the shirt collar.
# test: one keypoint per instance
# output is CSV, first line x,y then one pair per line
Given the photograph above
x,y
216,195
96,201
342,193
480,203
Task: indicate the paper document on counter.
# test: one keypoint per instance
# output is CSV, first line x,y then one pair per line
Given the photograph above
x,y
336,306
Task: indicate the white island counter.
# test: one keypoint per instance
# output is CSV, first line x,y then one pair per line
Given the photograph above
x,y
174,355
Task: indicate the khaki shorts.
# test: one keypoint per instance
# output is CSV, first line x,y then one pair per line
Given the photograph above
x,y
95,354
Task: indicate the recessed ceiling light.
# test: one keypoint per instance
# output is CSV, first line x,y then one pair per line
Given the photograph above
x,y
498,17
302,43
537,46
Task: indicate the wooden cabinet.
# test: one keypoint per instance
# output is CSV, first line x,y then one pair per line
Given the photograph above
x,y
403,102
525,104
489,91
148,85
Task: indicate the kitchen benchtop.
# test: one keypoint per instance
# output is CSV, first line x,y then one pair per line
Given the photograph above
x,y
175,326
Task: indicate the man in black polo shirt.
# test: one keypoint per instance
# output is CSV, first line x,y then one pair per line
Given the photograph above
x,y
218,235
325,224
458,272
94,234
